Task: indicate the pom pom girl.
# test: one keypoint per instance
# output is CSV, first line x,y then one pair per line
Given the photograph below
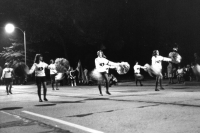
x,y
7,75
102,67
138,76
156,67
40,77
53,72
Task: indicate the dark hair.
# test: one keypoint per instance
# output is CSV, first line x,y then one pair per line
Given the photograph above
x,y
6,64
37,58
98,52
154,52
51,61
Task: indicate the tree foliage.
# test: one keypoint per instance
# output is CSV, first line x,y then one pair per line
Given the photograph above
x,y
15,54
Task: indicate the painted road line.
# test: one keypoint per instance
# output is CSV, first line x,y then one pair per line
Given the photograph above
x,y
64,122
16,116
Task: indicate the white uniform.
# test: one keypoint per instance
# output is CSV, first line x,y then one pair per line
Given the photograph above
x,y
7,73
137,68
157,61
156,64
52,68
39,69
101,64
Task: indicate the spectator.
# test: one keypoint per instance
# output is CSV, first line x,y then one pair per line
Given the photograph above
x,y
170,73
180,73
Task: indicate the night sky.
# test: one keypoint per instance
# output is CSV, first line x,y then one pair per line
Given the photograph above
x,y
126,30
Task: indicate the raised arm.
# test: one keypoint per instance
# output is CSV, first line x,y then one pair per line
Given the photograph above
x,y
110,63
32,69
167,59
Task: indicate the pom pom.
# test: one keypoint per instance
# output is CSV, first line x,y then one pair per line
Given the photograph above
x,y
95,75
196,70
123,68
62,65
176,58
59,76
20,69
152,70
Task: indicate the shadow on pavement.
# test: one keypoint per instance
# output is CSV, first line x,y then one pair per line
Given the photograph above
x,y
11,108
41,105
60,102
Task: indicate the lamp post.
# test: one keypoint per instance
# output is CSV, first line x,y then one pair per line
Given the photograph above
x,y
10,28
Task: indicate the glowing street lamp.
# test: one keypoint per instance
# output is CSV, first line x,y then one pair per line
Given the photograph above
x,y
10,28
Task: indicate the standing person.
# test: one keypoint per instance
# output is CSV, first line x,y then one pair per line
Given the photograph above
x,y
40,77
72,76
86,76
179,73
7,75
102,66
138,76
170,73
59,78
53,72
157,67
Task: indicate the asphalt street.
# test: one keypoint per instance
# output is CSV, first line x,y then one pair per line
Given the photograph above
x,y
80,109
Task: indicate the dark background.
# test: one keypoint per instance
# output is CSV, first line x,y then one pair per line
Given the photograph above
x,y
126,30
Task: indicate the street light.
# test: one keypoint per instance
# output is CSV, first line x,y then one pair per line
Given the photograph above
x,y
10,28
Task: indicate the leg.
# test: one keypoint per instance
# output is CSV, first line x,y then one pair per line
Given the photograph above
x,y
136,82
57,84
52,81
156,89
44,90
10,87
110,83
7,89
160,79
74,82
140,83
39,92
105,75
71,80
52,84
161,84
99,86
178,78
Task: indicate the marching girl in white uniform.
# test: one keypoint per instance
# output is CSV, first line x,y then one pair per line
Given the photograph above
x,y
40,77
138,76
156,66
53,73
7,75
102,66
